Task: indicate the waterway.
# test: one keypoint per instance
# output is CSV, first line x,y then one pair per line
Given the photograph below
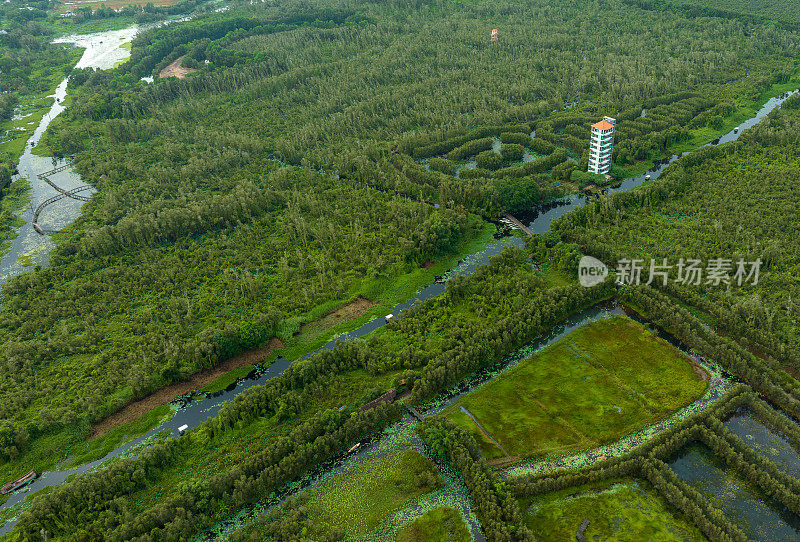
x,y
102,51
768,442
760,517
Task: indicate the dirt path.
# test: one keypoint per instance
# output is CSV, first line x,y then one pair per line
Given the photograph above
x,y
349,311
136,409
176,70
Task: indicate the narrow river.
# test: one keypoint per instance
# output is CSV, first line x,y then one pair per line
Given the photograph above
x,y
102,51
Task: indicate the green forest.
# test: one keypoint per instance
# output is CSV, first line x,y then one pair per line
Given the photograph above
x,y
734,202
323,156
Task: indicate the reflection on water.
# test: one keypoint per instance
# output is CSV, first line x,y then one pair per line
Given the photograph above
x,y
761,518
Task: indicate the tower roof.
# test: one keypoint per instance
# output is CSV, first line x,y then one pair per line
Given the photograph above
x,y
603,125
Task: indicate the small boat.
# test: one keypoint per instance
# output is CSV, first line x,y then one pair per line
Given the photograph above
x,y
18,483
355,447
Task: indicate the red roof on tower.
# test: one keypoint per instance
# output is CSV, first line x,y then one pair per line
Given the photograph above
x,y
603,125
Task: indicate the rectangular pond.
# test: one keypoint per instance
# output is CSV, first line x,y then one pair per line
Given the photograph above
x,y
761,518
768,442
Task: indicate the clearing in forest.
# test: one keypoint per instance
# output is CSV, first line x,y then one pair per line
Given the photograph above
x,y
597,384
175,69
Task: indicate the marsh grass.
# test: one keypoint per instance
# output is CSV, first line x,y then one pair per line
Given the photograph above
x,y
620,510
592,387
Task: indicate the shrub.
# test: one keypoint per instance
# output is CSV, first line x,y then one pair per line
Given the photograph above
x,y
512,152
515,137
474,173
489,160
442,164
584,178
541,146
470,148
562,171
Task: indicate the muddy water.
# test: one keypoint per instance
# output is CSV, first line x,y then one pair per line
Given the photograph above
x,y
761,518
101,51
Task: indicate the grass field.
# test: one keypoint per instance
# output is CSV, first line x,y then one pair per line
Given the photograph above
x,y
621,510
441,525
595,385
358,499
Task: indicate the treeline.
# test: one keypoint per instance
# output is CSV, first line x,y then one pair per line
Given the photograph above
x,y
104,513
134,296
765,376
508,281
460,146
665,124
713,523
477,190
495,506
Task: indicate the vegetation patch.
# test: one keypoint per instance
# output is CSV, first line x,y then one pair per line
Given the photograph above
x,y
100,446
358,500
354,309
441,525
135,409
618,510
352,504
599,383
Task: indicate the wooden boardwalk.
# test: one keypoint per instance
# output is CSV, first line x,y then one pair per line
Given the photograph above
x,y
518,224
414,412
73,194
581,530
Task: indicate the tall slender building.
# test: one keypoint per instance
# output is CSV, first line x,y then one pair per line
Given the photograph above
x,y
601,145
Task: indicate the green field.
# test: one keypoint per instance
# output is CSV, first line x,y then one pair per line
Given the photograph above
x,y
592,387
441,525
623,510
359,499
351,504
